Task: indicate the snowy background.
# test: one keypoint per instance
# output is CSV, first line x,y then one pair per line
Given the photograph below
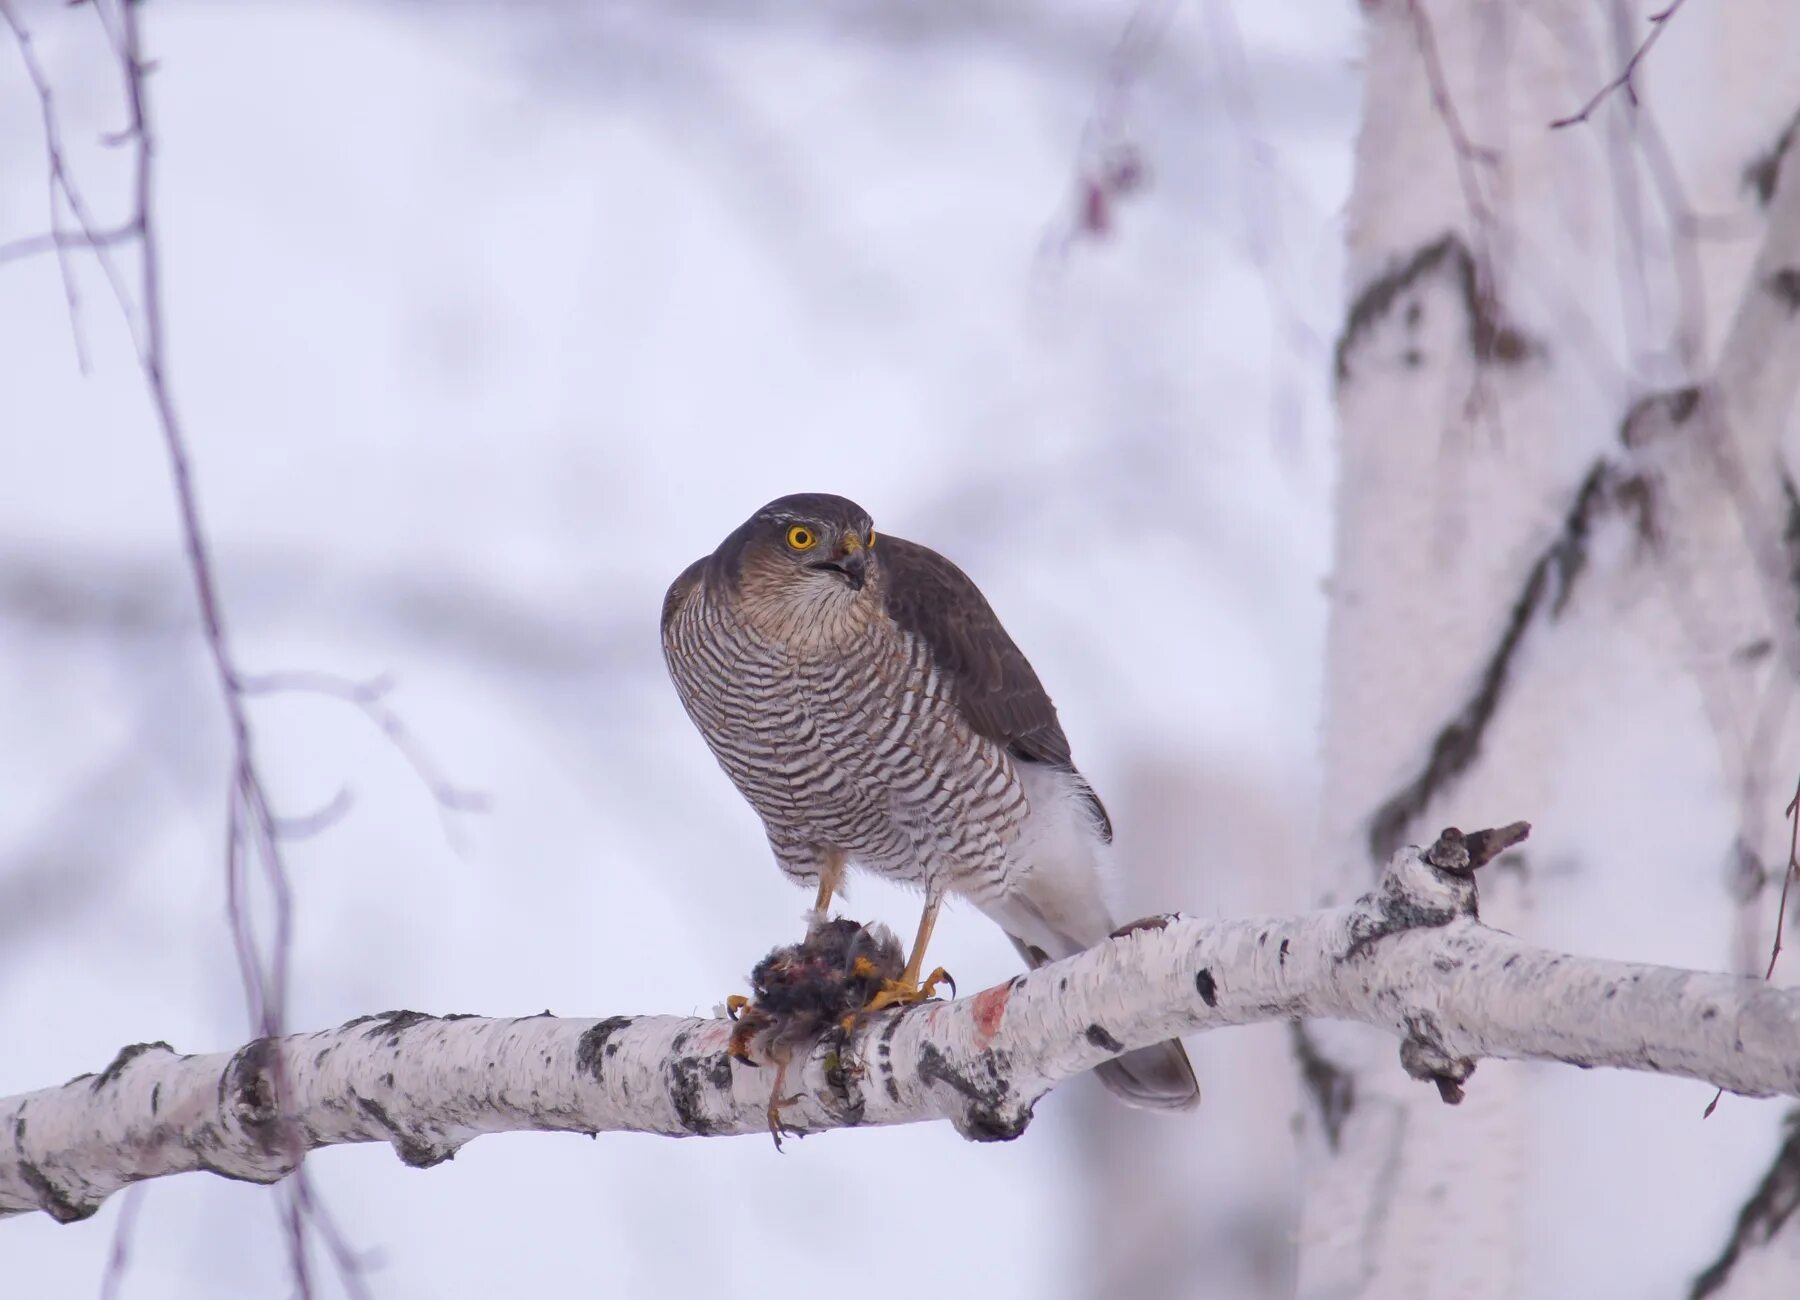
x,y
483,322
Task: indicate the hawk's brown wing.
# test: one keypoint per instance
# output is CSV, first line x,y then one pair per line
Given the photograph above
x,y
994,684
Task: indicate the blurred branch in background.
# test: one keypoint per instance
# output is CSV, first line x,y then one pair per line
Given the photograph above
x,y
60,867
254,831
123,598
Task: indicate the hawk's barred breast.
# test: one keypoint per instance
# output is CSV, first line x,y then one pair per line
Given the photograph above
x,y
856,744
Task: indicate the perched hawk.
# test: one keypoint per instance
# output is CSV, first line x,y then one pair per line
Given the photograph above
x,y
866,701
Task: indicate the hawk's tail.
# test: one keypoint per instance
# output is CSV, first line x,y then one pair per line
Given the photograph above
x,y
1158,1077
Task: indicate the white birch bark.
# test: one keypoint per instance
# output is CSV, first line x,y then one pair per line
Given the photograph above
x,y
1571,493
1412,956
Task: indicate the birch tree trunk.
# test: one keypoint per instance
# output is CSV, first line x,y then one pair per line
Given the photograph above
x,y
1562,384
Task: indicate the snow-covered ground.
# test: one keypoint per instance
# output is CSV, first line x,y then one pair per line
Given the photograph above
x,y
483,322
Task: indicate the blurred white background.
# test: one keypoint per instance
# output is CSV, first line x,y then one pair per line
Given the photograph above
x,y
484,321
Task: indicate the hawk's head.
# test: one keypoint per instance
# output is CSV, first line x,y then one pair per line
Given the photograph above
x,y
818,541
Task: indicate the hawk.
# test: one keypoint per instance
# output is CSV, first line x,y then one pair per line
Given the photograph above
x,y
867,702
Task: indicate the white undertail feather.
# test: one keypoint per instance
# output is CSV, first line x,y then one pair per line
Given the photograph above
x,y
1054,899
1055,906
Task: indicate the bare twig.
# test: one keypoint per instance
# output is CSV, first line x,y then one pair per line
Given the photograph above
x,y
61,183
255,823
1295,341
58,241
252,831
1108,166
370,698
1787,880
1659,21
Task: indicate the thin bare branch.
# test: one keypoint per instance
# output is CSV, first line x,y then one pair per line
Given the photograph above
x,y
370,698
1108,164
1659,22
88,234
59,241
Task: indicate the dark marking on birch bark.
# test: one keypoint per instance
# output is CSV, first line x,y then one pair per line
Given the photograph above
x,y
1785,285
1396,910
1491,339
994,1113
391,1023
1156,921
1281,956
1677,405
1754,651
1790,539
1548,587
1745,874
1333,1090
690,1079
884,1055
840,1074
1763,175
1424,1057
55,1202
413,1151
1768,1210
247,1090
1099,1037
1398,915
51,1199
125,1057
593,1049
155,1098
1207,987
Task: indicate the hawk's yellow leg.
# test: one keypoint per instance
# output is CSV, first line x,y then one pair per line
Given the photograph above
x,y
908,988
831,875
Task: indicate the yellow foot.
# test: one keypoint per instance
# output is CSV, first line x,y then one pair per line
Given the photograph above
x,y
744,1028
903,992
776,1127
777,1101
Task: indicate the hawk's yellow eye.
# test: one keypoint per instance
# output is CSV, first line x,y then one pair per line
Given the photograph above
x,y
802,538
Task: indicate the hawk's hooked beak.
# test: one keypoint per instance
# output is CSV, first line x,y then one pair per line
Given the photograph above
x,y
852,564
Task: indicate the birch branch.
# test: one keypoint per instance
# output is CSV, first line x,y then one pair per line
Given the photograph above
x,y
1412,956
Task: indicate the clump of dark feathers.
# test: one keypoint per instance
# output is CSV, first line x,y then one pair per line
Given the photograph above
x,y
801,990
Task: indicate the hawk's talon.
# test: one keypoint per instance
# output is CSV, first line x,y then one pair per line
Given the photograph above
x,y
734,1004
903,992
777,1101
